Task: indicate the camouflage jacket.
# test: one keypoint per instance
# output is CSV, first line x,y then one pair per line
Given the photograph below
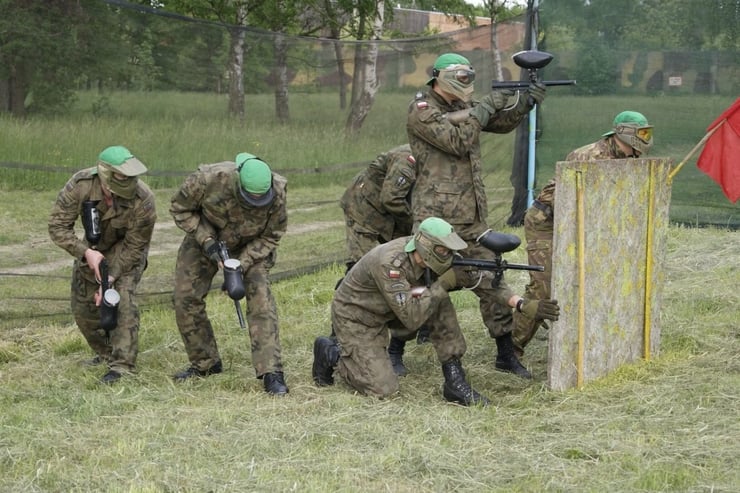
x,y
377,290
604,148
379,196
449,181
208,205
126,227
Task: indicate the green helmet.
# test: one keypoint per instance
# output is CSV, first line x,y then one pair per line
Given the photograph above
x,y
435,232
255,180
454,75
633,129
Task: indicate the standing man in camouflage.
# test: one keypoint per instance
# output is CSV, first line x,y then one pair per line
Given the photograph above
x,y
377,209
243,205
389,288
118,212
631,136
444,133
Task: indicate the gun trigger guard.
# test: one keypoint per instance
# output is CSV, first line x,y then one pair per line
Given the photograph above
x,y
474,286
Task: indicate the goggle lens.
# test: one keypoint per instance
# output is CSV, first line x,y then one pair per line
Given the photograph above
x,y
644,134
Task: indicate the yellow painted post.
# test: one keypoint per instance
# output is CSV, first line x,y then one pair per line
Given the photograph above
x,y
649,263
580,225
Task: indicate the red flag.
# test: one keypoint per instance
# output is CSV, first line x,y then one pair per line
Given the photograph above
x,y
720,158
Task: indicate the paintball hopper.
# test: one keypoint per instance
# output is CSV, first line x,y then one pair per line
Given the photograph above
x,y
109,310
233,282
498,242
91,221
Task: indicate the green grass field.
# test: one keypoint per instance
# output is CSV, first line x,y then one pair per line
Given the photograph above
x,y
667,425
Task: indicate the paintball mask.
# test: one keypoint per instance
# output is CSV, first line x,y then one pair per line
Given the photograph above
x,y
633,129
455,75
118,170
436,242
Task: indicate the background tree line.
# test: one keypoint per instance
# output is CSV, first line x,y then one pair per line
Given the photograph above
x,y
51,48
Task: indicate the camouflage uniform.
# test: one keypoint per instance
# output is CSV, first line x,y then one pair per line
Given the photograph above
x,y
377,204
538,231
375,297
126,231
208,205
449,185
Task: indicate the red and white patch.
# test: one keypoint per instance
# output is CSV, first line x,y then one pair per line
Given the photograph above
x,y
411,159
422,105
394,274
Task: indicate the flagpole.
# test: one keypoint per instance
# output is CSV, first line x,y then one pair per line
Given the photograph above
x,y
696,148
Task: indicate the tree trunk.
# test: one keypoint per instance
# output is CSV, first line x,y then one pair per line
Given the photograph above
x,y
282,110
340,74
17,91
498,71
367,86
236,67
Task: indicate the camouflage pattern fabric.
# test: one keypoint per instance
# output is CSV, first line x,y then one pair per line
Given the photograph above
x,y
208,205
126,232
374,298
538,231
376,205
449,185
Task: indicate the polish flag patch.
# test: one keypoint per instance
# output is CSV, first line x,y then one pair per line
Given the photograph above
x,y
394,274
422,104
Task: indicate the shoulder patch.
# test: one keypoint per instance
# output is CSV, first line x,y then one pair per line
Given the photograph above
x,y
394,274
411,159
422,105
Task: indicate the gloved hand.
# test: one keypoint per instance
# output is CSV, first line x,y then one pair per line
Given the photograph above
x,y
210,248
540,309
466,276
497,99
448,280
536,92
482,112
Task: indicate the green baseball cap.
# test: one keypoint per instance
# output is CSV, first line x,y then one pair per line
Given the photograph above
x,y
446,60
441,232
120,160
628,118
255,178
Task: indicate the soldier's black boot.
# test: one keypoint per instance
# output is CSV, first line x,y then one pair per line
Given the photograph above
x,y
325,358
457,389
395,353
193,371
422,336
506,359
275,383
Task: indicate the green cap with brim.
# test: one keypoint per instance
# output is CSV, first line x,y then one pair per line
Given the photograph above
x,y
120,160
628,118
443,233
445,60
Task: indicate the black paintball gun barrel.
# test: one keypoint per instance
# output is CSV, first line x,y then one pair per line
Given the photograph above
x,y
233,280
532,60
109,303
498,243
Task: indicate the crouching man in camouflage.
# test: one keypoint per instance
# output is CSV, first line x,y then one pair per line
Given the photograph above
x,y
118,215
389,289
243,206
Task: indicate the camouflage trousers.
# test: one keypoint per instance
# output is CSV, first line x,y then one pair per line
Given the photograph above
x,y
538,231
364,363
194,273
121,349
493,301
360,240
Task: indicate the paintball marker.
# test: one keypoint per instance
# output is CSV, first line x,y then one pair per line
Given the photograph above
x,y
109,303
233,281
531,60
498,243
